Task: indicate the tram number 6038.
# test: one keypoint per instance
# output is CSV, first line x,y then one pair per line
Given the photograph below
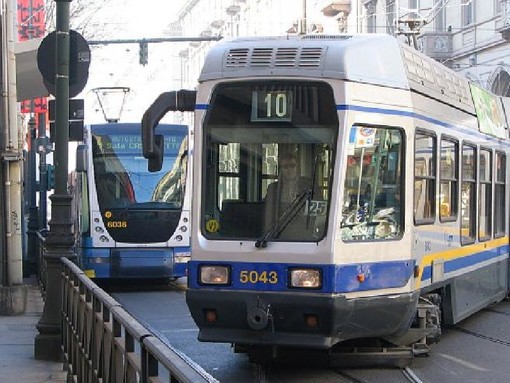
x,y
258,277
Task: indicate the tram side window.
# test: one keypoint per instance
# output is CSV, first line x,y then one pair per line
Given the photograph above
x,y
448,184
485,195
372,208
424,177
499,195
468,195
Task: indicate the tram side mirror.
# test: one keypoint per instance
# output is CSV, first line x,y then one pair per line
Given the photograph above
x,y
156,160
181,100
81,158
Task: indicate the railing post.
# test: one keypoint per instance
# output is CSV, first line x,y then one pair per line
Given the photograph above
x,y
58,244
60,240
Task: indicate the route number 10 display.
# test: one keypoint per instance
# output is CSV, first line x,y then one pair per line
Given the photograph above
x,y
274,105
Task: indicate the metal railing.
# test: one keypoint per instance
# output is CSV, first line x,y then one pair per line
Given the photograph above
x,y
41,264
102,342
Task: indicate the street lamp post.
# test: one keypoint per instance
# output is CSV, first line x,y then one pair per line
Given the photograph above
x,y
60,240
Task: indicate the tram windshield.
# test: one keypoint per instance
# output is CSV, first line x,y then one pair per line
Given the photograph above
x,y
269,150
121,174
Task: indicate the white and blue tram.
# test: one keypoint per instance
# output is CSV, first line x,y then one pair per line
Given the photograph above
x,y
131,223
400,220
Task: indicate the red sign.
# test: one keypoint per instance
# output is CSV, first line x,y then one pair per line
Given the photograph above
x,y
31,19
40,105
32,24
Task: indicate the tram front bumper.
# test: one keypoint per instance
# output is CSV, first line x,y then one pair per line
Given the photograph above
x,y
296,319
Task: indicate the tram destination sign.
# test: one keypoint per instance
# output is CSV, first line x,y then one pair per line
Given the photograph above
x,y
271,105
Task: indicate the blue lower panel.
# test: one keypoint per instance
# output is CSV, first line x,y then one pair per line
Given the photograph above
x,y
335,278
132,263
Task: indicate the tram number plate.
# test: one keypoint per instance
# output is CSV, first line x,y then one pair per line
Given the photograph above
x,y
253,277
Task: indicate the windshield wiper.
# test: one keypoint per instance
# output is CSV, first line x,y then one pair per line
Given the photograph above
x,y
284,219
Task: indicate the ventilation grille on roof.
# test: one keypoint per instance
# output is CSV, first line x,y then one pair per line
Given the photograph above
x,y
326,37
274,57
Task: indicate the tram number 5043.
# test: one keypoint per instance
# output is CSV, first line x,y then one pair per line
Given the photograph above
x,y
271,105
252,277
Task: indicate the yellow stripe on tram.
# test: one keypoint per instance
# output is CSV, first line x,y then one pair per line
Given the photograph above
x,y
459,252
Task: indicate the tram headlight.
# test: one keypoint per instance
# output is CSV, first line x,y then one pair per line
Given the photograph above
x,y
305,278
214,275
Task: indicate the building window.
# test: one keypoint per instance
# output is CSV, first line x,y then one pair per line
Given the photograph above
x,y
497,6
370,6
439,20
468,195
414,9
424,177
390,17
467,12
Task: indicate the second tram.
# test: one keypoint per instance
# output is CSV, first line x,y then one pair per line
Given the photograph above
x,y
132,223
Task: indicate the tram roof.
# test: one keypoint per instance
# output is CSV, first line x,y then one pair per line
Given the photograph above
x,y
378,59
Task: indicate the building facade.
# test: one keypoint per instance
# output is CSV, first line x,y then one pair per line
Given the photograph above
x,y
469,36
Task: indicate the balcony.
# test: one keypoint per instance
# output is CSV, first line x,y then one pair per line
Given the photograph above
x,y
206,33
217,24
333,8
437,45
233,10
505,20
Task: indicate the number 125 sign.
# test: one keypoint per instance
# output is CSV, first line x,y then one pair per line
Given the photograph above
x,y
274,105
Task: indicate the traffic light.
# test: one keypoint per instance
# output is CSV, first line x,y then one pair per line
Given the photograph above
x,y
50,177
144,53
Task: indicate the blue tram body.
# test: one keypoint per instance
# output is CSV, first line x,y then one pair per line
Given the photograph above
x,y
132,223
402,222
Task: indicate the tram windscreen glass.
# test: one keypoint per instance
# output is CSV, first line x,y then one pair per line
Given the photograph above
x,y
269,148
120,170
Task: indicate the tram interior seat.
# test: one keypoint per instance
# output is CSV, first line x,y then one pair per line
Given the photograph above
x,y
242,219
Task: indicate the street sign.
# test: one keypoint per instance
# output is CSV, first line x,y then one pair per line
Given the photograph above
x,y
79,62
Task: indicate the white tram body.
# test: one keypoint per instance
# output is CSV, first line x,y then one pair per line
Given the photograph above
x,y
410,161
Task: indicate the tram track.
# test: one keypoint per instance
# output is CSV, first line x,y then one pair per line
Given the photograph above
x,y
407,372
491,310
410,375
350,378
481,336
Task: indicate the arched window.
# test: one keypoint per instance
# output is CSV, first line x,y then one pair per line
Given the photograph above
x,y
499,81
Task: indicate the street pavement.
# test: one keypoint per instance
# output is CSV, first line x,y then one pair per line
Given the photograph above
x,y
17,337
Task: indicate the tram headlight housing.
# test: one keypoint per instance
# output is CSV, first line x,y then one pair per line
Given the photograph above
x,y
305,278
214,275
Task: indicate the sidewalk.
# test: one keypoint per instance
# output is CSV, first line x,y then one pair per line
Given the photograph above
x,y
17,336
